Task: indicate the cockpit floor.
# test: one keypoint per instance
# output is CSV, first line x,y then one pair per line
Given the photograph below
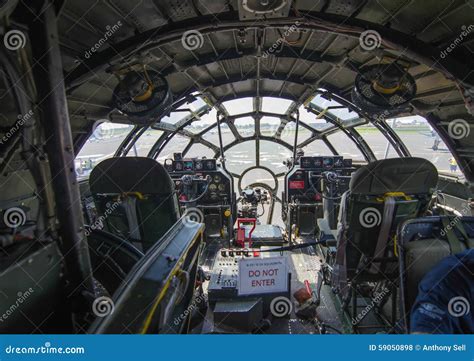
x,y
304,265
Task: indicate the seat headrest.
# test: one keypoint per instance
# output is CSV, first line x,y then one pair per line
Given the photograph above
x,y
130,174
408,175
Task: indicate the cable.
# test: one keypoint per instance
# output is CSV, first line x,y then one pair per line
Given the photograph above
x,y
295,246
200,196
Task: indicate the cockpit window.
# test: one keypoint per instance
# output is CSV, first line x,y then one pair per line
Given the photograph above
x,y
275,105
423,141
144,144
377,142
102,144
345,146
338,110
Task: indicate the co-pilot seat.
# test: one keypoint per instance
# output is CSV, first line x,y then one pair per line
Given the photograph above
x,y
135,199
381,195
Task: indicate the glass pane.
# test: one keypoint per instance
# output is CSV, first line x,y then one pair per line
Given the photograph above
x,y
239,106
175,145
175,117
311,119
288,133
275,105
422,141
272,156
317,148
144,143
240,157
198,151
377,142
245,126
345,146
102,144
213,135
342,113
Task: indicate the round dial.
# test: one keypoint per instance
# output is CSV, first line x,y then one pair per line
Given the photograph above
x,y
212,187
217,178
221,187
209,164
198,165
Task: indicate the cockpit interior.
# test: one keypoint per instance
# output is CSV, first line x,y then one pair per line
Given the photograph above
x,y
232,166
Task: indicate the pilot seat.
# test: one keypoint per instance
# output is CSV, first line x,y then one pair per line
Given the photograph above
x,y
381,195
135,199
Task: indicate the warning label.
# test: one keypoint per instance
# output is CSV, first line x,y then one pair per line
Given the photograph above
x,y
263,275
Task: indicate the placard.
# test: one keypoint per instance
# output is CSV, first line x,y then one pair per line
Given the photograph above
x,y
262,275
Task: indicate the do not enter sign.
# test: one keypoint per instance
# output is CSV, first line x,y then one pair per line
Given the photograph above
x,y
263,275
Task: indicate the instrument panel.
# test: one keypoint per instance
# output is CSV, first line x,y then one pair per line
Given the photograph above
x,y
191,165
326,163
300,181
220,188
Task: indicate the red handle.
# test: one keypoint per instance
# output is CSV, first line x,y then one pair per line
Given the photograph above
x,y
247,220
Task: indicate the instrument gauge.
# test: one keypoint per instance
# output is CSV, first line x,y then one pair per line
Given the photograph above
x,y
178,166
210,165
212,187
198,165
221,187
217,178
